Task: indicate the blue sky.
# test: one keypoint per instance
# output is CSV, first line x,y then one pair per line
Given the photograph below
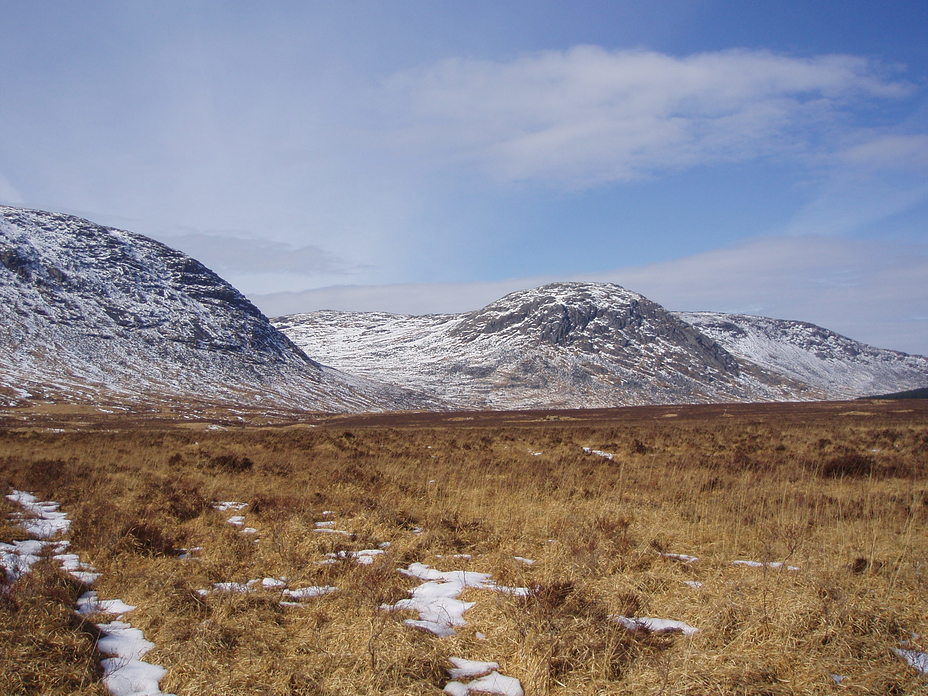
x,y
429,156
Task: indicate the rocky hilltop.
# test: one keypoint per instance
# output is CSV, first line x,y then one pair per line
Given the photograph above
x,y
91,313
835,365
564,345
573,345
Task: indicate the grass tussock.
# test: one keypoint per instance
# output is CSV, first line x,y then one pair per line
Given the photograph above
x,y
845,499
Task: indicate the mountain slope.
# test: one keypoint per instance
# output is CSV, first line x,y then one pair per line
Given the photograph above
x,y
838,366
562,345
571,345
92,313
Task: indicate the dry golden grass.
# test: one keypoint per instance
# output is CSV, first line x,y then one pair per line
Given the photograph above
x,y
842,496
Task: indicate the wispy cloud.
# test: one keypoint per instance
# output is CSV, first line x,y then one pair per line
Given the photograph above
x,y
588,116
893,152
865,184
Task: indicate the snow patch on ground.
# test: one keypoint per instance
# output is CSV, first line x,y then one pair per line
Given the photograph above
x,y
650,624
46,520
436,600
918,660
310,592
681,557
364,557
599,453
492,683
223,506
124,672
88,603
758,564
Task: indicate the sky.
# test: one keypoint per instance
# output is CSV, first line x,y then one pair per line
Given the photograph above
x,y
430,156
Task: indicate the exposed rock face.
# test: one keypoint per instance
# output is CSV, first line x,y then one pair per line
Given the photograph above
x,y
93,313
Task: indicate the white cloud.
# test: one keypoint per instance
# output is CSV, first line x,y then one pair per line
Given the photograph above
x,y
587,116
871,291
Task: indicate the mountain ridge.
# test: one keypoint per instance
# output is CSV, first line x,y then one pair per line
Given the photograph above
x,y
575,344
97,313
102,315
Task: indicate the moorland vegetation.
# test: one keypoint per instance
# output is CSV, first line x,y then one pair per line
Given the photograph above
x,y
839,493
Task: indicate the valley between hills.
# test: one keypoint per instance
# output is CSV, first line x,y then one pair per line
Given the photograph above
x,y
572,490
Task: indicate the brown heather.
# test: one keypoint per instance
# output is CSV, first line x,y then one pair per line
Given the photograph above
x,y
837,489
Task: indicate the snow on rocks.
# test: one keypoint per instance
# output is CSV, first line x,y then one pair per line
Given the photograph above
x,y
653,625
485,679
526,561
758,564
599,453
918,660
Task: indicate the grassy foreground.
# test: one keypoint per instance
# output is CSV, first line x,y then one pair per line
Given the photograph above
x,y
838,490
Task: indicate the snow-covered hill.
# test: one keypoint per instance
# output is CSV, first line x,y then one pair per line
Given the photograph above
x,y
829,362
90,313
570,345
564,345
94,314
